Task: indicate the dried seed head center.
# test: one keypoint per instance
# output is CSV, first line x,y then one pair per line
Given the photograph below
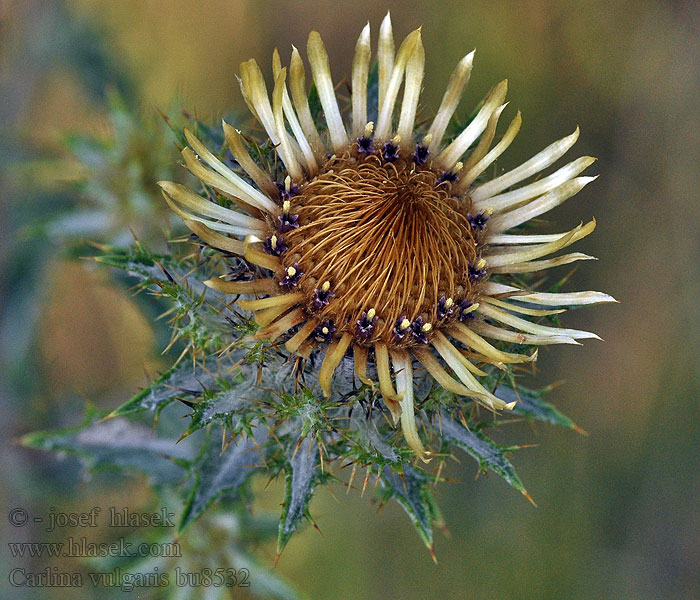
x,y
385,235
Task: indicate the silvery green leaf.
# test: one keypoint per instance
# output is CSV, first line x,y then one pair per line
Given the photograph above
x,y
217,471
119,444
372,439
488,454
136,260
531,406
411,490
180,379
223,406
303,474
147,266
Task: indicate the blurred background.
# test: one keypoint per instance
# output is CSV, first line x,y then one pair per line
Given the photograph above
x,y
618,510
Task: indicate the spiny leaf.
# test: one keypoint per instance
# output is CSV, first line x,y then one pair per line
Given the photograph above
x,y
176,380
136,260
118,444
195,322
372,440
218,471
487,453
302,476
531,405
411,490
222,406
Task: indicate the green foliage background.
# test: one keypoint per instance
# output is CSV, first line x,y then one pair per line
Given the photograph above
x,y
617,509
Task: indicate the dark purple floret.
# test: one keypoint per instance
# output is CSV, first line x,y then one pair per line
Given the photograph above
x,y
447,176
390,151
364,145
444,311
324,332
290,281
399,333
417,331
288,222
277,249
365,325
478,221
464,306
420,156
286,195
321,299
475,273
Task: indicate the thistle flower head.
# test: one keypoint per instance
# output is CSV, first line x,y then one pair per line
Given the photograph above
x,y
380,238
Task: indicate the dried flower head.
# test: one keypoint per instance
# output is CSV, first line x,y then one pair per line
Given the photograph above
x,y
378,236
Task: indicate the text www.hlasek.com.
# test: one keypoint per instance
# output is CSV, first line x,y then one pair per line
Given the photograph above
x,y
81,547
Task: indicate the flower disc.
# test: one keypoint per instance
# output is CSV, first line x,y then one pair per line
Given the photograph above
x,y
386,236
